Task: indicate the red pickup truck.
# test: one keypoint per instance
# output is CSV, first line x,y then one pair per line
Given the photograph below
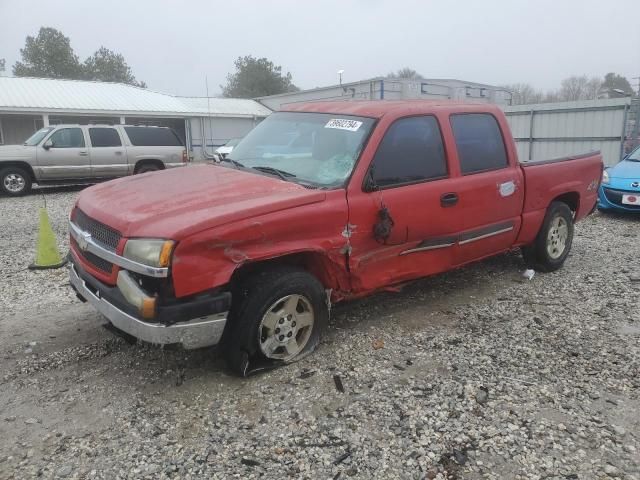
x,y
320,203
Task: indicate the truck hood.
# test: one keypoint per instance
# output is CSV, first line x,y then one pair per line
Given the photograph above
x,y
626,169
178,202
16,152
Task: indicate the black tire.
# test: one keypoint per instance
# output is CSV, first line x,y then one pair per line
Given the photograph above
x,y
15,181
548,253
251,302
147,167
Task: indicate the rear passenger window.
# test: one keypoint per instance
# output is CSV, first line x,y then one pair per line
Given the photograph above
x,y
479,142
104,137
411,151
152,137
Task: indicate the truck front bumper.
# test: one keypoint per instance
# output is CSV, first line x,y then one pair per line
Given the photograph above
x,y
193,333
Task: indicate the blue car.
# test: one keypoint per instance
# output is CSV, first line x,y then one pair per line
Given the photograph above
x,y
620,189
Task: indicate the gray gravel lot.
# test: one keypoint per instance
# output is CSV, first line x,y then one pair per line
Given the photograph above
x,y
477,373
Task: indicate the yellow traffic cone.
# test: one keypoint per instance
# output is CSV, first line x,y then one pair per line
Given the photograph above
x,y
47,255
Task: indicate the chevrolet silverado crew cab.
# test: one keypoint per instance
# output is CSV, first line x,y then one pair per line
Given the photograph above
x,y
87,154
323,202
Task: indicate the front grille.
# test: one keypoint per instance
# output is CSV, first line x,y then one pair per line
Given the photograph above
x,y
100,233
615,197
93,259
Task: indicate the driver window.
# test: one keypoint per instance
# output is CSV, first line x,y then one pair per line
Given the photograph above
x,y
67,138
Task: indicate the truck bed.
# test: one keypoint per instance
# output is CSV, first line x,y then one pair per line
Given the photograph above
x,y
574,179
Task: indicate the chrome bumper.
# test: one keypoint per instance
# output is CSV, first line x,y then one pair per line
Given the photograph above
x,y
196,333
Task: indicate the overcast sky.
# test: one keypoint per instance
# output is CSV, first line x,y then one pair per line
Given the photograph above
x,y
173,45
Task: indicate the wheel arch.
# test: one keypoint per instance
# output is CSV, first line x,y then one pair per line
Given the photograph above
x,y
571,199
328,271
148,161
19,164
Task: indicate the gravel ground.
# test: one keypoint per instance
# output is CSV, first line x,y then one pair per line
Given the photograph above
x,y
477,373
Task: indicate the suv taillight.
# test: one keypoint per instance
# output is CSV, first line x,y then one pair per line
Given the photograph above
x,y
185,158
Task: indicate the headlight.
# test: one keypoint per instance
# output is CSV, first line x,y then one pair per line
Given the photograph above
x,y
605,176
155,253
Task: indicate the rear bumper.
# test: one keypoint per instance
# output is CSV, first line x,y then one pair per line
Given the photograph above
x,y
193,333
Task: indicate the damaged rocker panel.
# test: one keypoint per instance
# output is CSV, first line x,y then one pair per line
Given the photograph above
x,y
431,244
465,238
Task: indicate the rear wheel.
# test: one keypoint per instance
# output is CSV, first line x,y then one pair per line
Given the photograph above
x,y
147,167
278,317
554,240
15,181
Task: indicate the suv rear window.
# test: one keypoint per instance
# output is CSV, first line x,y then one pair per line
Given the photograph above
x,y
104,137
152,137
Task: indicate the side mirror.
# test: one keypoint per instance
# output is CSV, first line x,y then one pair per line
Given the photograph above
x,y
47,145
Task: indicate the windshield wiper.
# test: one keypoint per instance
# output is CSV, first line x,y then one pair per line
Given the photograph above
x,y
232,162
275,171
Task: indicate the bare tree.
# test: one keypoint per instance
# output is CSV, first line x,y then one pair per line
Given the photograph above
x,y
593,88
574,88
552,96
406,73
523,93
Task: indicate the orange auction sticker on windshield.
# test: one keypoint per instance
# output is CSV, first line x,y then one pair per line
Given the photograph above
x,y
344,124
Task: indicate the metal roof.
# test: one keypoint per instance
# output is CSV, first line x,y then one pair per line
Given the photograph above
x,y
222,106
377,79
43,95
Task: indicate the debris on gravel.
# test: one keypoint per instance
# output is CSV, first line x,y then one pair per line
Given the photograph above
x,y
472,374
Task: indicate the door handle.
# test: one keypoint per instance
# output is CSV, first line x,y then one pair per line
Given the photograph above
x,y
448,199
118,152
84,154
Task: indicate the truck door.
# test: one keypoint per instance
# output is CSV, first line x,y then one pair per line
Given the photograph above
x,y
490,192
108,154
64,155
405,226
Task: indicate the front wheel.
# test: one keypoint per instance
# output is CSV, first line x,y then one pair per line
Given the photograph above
x,y
15,181
278,317
553,242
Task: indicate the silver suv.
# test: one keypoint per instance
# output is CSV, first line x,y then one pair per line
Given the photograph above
x,y
87,154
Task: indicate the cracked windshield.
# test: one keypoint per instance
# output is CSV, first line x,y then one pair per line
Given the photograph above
x,y
316,148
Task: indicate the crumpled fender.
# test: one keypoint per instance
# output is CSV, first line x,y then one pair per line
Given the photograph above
x,y
313,233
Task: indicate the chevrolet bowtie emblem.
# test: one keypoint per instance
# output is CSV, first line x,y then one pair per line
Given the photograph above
x,y
83,240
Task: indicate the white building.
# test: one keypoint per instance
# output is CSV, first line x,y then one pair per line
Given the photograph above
x,y
382,88
27,104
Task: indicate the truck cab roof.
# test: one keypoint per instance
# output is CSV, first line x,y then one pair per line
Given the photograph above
x,y
106,125
380,108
